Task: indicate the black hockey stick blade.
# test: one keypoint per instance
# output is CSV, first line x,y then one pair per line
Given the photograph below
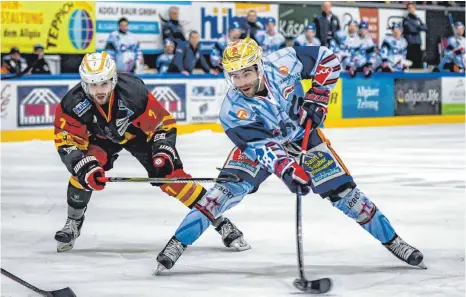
x,y
318,286
66,292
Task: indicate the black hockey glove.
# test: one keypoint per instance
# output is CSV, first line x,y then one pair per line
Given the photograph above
x,y
164,155
314,108
88,170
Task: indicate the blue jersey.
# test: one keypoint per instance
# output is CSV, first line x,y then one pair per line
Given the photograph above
x,y
394,50
163,62
270,43
301,40
254,124
455,51
124,49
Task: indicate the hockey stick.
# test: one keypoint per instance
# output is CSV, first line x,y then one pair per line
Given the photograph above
x,y
318,286
231,178
66,292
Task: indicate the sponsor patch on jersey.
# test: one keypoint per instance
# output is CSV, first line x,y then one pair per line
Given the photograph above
x,y
322,74
283,70
288,90
242,114
82,107
240,161
322,165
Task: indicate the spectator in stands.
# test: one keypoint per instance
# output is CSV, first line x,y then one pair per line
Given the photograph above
x,y
172,28
412,27
270,40
38,65
14,63
164,60
234,33
308,37
393,51
123,46
454,55
326,24
188,57
251,26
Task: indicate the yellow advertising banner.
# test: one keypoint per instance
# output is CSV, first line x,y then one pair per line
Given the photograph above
x,y
61,27
335,99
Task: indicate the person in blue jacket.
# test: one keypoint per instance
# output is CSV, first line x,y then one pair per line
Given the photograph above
x,y
189,56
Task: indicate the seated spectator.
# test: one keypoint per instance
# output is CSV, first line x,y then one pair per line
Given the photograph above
x,y
308,37
172,28
123,46
270,40
393,51
14,63
250,27
188,57
366,55
164,60
38,65
454,58
234,33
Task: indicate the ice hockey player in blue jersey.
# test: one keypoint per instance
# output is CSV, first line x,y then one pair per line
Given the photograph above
x,y
367,52
393,51
270,40
263,114
164,60
234,33
454,56
123,47
345,46
308,37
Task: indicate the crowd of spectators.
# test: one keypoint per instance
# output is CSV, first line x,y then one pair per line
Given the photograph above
x,y
357,52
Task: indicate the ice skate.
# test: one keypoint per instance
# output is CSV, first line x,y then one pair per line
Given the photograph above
x,y
66,237
403,251
232,236
169,255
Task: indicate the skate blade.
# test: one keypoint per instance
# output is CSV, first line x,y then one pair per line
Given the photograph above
x,y
240,245
422,265
64,247
159,269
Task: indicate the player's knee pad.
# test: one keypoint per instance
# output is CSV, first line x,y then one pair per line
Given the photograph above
x,y
77,197
355,205
186,193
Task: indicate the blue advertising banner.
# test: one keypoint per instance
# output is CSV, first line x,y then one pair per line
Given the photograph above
x,y
172,97
364,98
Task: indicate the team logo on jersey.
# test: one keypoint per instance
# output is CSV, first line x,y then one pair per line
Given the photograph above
x,y
322,74
283,70
82,107
242,114
37,104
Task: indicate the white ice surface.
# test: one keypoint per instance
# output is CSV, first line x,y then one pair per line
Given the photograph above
x,y
415,175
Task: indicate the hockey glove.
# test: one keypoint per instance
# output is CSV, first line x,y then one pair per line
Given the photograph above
x,y
313,108
459,50
293,175
165,160
88,170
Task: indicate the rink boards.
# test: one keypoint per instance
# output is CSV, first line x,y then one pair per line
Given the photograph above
x,y
28,104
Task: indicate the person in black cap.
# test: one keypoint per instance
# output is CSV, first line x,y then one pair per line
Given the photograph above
x,y
38,65
14,63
